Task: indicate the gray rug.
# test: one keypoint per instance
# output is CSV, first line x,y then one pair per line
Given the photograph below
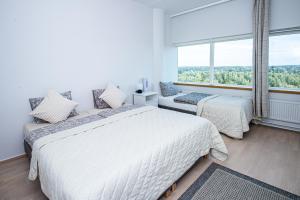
x,y
218,182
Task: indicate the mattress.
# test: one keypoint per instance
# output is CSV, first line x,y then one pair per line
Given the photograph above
x,y
169,102
136,154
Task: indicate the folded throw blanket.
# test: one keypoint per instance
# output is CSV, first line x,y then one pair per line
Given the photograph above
x,y
191,98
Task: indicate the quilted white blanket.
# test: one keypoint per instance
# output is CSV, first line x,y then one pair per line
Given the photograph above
x,y
137,154
231,115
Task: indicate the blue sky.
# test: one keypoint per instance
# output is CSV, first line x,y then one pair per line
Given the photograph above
x,y
284,50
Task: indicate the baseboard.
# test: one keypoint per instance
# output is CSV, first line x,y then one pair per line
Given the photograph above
x,y
13,158
279,124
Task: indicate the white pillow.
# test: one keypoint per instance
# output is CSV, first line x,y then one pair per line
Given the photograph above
x,y
54,108
113,96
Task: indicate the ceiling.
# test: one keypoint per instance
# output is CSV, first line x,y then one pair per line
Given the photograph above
x,y
175,6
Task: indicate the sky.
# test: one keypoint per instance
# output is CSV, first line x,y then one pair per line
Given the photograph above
x,y
284,50
195,55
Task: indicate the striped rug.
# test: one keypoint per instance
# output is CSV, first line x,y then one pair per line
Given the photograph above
x,y
218,182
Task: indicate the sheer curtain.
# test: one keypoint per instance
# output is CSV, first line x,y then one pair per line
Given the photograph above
x,y
260,57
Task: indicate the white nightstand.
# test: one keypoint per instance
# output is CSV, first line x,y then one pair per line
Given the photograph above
x,y
145,98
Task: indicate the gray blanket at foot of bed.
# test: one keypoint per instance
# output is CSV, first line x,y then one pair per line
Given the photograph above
x,y
191,98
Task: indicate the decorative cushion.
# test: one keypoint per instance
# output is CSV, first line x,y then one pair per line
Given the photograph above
x,y
168,89
54,108
113,96
34,102
99,103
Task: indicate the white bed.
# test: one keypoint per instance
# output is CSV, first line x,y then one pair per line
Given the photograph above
x,y
136,154
231,115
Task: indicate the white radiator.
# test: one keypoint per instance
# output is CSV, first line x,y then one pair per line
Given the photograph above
x,y
285,111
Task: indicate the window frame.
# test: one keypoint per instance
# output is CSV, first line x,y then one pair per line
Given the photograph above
x,y
209,65
212,42
211,84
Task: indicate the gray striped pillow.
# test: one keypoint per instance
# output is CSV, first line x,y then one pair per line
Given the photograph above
x,y
168,89
99,103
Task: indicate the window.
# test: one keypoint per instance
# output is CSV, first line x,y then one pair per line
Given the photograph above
x,y
233,62
216,63
284,61
230,62
193,63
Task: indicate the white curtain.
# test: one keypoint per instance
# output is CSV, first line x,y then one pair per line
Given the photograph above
x,y
260,57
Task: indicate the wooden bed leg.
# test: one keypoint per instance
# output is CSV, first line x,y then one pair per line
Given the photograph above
x,y
170,190
173,187
167,193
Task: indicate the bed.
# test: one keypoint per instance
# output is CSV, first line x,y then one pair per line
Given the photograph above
x,y
230,114
133,154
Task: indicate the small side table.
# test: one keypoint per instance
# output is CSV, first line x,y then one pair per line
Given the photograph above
x,y
145,98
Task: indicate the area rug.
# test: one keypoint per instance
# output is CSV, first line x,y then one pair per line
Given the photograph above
x,y
219,182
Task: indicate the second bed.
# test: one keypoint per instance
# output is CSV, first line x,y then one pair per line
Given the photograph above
x,y
230,114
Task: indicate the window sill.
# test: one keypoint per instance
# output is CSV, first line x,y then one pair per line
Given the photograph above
x,y
272,90
214,86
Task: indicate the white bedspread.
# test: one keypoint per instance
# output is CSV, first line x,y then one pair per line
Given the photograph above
x,y
231,115
137,154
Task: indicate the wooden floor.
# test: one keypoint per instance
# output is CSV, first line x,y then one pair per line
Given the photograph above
x,y
268,154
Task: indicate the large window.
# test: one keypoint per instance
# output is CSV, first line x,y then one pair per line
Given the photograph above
x,y
284,61
230,62
216,63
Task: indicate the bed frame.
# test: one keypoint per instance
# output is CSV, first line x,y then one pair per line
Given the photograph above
x,y
173,187
166,194
177,109
27,149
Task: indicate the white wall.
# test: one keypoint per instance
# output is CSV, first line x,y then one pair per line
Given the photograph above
x,y
164,54
73,45
158,46
169,72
